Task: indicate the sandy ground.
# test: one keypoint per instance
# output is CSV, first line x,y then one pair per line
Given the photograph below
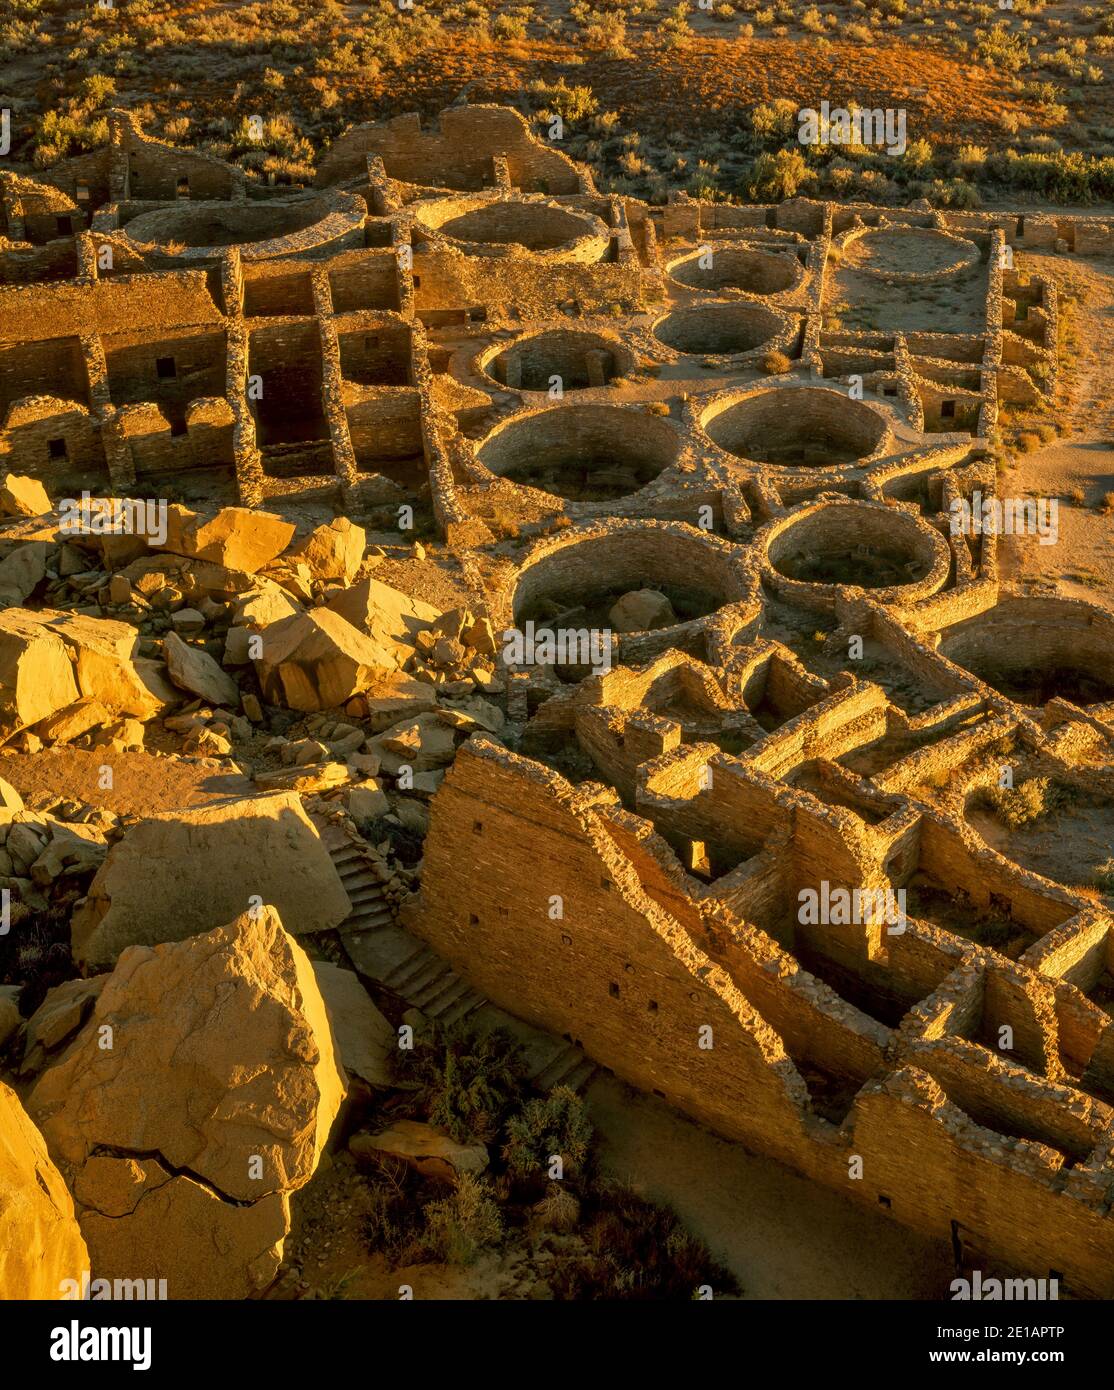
x,y
142,785
782,1236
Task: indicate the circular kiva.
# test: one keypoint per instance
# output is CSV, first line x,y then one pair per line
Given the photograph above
x,y
908,254
1033,650
813,552
193,230
577,579
796,427
737,269
481,226
713,330
566,358
582,453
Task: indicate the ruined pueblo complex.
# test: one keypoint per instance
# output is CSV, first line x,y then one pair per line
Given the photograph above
x,y
709,730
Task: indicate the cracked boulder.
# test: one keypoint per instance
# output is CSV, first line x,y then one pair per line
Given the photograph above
x,y
317,660
41,1244
183,872
196,1099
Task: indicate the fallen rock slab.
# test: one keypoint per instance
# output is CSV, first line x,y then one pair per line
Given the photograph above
x,y
194,670
184,872
366,1042
316,660
429,1150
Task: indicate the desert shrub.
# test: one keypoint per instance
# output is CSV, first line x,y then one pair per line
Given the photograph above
x,y
780,175
553,1124
1001,49
1019,806
558,1210
1104,876
636,1250
462,1224
393,1225
775,363
469,1079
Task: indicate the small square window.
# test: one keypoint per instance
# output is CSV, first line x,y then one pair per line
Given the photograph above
x,y
183,188
64,225
478,827
417,282
566,940
884,1202
606,884
165,368
56,449
947,410
613,990
82,192
652,1006
473,920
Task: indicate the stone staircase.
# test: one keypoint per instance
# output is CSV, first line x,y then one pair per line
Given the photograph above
x,y
380,950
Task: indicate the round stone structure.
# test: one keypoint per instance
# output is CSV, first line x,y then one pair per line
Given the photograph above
x,y
582,453
794,426
812,553
1033,650
537,226
196,231
734,329
575,359
575,578
735,269
908,255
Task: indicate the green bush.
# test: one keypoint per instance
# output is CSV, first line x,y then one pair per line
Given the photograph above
x,y
460,1226
469,1079
1019,806
555,1124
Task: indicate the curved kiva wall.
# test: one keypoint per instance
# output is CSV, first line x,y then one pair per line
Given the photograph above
x,y
582,453
278,227
1033,650
574,580
907,255
810,554
796,427
577,358
735,329
729,270
513,226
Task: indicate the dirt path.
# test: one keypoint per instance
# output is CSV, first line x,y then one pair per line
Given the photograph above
x,y
782,1236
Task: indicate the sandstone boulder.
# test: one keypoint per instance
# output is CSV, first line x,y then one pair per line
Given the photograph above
x,y
42,1243
393,618
641,610
63,1011
335,551
195,670
238,538
184,872
36,675
21,569
108,666
184,1140
23,496
316,660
